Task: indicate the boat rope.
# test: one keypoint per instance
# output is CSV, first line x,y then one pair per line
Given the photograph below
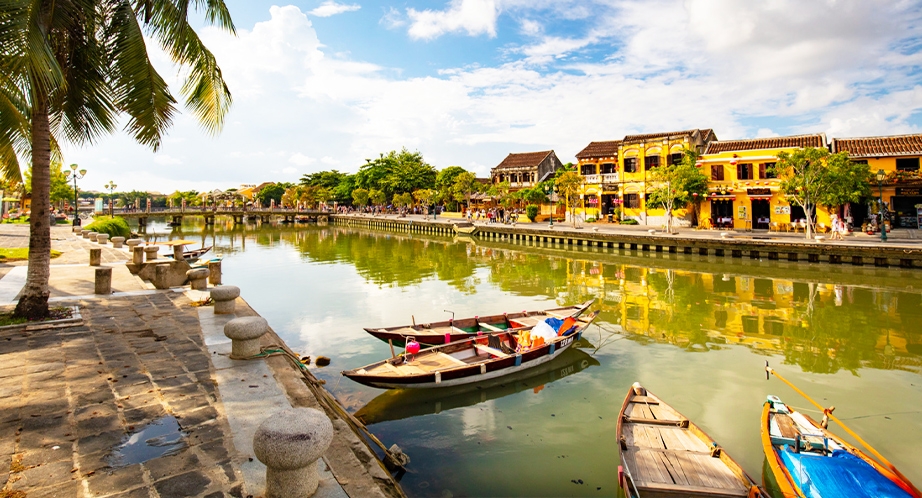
x,y
828,413
393,455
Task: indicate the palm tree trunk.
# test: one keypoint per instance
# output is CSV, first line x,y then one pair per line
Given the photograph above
x,y
33,303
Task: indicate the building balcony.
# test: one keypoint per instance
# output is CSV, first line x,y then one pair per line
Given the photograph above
x,y
592,178
521,184
610,177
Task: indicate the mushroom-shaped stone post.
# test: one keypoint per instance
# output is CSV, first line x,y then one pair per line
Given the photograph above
x,y
92,236
244,333
224,297
132,243
102,239
198,278
85,233
78,230
117,242
150,253
289,443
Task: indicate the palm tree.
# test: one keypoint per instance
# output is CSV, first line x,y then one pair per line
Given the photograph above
x,y
69,68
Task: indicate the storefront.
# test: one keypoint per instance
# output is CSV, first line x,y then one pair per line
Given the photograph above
x,y
722,211
904,206
761,199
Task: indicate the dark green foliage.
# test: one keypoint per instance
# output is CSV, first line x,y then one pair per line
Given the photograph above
x,y
531,211
629,221
115,227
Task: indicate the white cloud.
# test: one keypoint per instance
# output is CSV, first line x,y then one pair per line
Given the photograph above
x,y
331,8
530,27
301,160
328,160
289,170
393,19
166,159
474,17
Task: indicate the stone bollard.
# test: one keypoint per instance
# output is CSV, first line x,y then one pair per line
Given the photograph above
x,y
150,252
103,239
289,443
78,230
95,257
103,280
198,278
161,278
224,297
137,255
117,242
214,272
84,233
132,243
92,236
177,253
244,333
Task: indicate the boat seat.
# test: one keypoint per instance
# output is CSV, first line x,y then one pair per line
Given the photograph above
x,y
489,327
488,349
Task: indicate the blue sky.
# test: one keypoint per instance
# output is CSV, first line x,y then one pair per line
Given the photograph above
x,y
325,84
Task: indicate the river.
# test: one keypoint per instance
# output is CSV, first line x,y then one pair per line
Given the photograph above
x,y
694,330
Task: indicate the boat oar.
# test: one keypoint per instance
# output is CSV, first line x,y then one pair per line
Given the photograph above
x,y
827,412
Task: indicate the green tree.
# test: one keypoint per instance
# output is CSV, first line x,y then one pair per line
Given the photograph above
x,y
403,200
60,188
806,180
360,197
676,185
71,67
396,172
426,197
270,193
377,197
191,196
464,185
569,184
844,181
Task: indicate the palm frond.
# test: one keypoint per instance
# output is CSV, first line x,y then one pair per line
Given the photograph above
x,y
138,89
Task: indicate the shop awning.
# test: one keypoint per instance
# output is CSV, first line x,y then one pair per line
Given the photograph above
x,y
762,197
722,197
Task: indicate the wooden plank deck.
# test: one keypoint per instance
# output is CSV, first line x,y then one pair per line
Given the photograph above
x,y
671,460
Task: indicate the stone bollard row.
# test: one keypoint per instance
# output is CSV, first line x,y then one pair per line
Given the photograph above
x,y
102,239
224,297
289,443
117,242
244,333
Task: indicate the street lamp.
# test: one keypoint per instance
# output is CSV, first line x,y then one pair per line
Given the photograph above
x,y
880,186
76,175
111,186
548,188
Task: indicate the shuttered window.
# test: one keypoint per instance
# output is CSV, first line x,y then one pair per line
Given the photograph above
x,y
632,201
717,172
651,162
766,170
630,165
744,171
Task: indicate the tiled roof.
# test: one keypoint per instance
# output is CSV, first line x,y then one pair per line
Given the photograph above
x,y
707,131
815,140
653,136
524,160
600,149
897,145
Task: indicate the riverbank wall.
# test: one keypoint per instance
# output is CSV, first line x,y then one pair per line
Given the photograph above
x,y
904,253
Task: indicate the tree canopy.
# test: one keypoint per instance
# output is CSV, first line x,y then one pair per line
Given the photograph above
x,y
676,185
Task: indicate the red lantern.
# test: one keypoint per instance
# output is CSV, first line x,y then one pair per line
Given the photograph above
x,y
412,346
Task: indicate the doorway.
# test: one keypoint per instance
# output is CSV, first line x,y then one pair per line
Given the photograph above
x,y
761,213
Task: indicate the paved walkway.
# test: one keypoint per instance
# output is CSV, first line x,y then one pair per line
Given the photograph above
x,y
141,359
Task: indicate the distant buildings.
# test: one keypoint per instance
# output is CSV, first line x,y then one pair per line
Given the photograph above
x,y
524,170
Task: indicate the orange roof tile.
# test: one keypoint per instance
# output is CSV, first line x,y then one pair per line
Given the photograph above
x,y
523,160
600,149
653,136
814,140
896,145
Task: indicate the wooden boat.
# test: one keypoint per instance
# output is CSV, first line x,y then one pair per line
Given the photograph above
x,y
474,359
194,254
806,460
663,454
455,330
464,228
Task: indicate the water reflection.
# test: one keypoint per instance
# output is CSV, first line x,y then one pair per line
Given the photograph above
x,y
399,404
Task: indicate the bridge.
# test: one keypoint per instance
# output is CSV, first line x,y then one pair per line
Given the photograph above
x,y
240,215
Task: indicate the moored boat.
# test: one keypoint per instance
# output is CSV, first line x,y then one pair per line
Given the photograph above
x,y
457,329
194,254
806,460
474,359
663,454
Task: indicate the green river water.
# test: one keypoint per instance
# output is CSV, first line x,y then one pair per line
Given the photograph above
x,y
694,330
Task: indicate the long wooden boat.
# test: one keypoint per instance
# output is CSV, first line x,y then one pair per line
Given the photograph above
x,y
806,460
455,330
192,255
474,359
663,454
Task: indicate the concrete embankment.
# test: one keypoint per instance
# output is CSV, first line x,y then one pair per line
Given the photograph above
x,y
860,250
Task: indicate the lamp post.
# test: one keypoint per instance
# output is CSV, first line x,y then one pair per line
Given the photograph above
x,y
73,173
548,188
111,186
880,186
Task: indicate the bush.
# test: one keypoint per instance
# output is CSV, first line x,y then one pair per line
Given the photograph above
x,y
629,221
531,212
590,220
115,227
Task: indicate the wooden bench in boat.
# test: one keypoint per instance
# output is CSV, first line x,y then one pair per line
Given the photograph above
x,y
489,327
492,351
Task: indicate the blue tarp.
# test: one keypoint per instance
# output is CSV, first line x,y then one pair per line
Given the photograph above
x,y
839,475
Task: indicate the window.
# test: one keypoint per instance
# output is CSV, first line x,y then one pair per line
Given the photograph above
x,y
632,201
651,162
630,165
717,172
861,161
587,169
675,158
766,170
744,171
907,164
609,168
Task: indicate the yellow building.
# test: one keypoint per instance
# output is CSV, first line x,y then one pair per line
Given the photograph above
x,y
898,157
638,155
598,164
743,193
